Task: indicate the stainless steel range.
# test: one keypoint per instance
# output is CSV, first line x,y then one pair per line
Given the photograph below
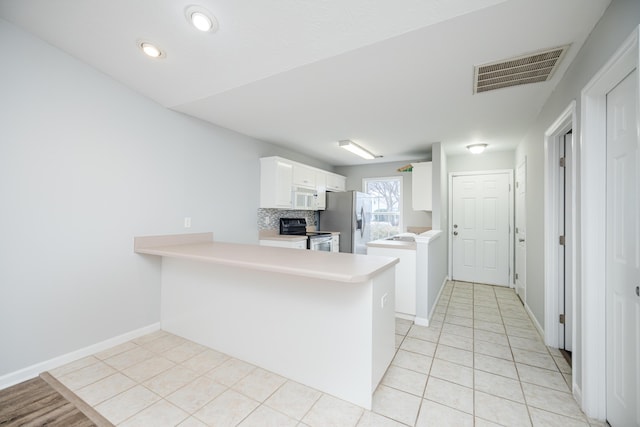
x,y
316,241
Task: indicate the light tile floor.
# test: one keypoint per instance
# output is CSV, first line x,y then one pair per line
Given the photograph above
x,y
481,362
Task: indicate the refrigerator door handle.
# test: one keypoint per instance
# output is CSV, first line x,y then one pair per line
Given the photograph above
x,y
364,222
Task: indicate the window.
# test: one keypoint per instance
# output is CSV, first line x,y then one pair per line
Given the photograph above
x,y
386,205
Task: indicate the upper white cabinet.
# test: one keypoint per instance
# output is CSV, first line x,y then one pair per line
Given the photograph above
x,y
280,177
336,182
321,190
421,186
276,177
304,176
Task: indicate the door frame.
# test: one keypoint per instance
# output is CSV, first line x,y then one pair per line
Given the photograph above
x,y
563,124
523,297
511,215
593,157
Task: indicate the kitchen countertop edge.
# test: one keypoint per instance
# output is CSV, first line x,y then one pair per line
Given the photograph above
x,y
347,268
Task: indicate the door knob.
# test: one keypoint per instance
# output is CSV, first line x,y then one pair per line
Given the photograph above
x,y
521,240
455,233
455,225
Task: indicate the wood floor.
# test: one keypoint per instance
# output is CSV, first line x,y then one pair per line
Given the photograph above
x,y
37,403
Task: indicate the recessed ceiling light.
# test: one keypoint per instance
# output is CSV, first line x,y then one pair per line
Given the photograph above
x,y
201,19
476,148
151,50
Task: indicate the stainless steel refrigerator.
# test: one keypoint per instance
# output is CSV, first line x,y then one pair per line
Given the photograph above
x,y
348,212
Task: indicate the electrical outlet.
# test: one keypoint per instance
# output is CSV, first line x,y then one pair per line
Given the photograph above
x,y
187,222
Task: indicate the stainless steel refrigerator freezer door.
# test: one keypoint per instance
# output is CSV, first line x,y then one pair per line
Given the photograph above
x,y
339,216
362,220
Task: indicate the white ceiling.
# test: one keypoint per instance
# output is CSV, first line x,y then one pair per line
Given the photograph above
x,y
306,73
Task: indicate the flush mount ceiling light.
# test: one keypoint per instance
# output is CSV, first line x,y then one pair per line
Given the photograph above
x,y
476,148
151,50
356,149
201,19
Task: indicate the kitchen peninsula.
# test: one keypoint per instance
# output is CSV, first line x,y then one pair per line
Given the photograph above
x,y
323,319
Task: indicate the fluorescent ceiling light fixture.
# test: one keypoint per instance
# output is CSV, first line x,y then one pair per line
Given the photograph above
x,y
151,50
356,149
201,19
476,148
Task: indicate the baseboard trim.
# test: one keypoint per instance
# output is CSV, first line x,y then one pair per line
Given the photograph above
x,y
421,321
405,316
577,394
535,321
33,371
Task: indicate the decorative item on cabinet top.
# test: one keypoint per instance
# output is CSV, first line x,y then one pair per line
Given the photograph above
x,y
281,179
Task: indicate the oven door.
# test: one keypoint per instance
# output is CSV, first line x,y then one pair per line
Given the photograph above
x,y
321,244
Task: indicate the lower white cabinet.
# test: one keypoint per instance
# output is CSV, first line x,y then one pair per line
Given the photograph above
x,y
294,244
405,277
335,243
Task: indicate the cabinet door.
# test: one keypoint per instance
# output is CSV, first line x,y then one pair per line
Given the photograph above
x,y
335,243
421,191
336,182
299,244
275,183
304,176
321,190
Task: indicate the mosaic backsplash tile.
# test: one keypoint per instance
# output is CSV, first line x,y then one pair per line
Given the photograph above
x,y
269,219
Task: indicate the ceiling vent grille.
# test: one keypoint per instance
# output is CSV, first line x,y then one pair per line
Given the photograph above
x,y
532,68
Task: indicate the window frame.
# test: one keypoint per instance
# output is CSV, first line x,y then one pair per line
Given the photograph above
x,y
400,180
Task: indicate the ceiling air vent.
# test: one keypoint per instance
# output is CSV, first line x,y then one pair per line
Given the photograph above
x,y
532,68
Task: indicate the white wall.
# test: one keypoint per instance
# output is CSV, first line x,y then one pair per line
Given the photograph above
x,y
355,175
489,160
618,21
85,165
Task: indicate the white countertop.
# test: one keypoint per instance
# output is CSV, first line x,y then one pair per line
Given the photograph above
x,y
341,267
392,244
288,238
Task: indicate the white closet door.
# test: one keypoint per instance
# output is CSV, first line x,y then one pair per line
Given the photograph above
x,y
623,255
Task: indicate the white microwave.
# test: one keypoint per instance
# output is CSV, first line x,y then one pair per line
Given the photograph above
x,y
304,199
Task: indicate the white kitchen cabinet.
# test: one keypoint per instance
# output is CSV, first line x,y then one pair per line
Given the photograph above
x,y
321,190
336,182
280,179
421,190
335,243
405,278
276,176
295,244
304,176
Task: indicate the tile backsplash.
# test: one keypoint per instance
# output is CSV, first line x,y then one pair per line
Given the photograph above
x,y
269,219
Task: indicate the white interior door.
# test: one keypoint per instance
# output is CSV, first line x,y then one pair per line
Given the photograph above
x,y
480,228
623,255
565,291
521,230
